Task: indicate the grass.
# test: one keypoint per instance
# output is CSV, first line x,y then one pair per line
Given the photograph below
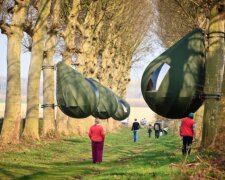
x,y
71,159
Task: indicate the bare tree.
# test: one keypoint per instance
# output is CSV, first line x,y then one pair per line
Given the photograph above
x,y
69,50
49,125
38,33
13,28
214,75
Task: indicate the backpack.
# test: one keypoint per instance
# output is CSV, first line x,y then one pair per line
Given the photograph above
x,y
157,126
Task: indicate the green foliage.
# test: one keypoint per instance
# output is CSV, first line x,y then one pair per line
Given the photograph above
x,y
71,158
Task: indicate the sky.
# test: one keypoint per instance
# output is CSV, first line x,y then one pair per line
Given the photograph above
x,y
136,72
25,59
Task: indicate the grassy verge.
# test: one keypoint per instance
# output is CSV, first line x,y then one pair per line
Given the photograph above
x,y
71,159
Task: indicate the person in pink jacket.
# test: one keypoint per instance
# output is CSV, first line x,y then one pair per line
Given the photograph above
x,y
97,136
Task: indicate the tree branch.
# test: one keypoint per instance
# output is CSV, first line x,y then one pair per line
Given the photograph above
x,y
5,28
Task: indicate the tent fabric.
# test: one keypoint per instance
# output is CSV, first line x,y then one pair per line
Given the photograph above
x,y
123,110
108,103
76,97
180,90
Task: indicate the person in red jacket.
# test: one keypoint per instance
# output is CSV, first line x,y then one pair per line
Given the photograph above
x,y
97,136
187,131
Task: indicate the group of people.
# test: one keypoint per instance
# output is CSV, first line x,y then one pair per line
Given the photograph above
x,y
157,128
97,135
187,131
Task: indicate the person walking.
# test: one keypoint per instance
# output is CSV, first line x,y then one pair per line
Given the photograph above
x,y
97,136
135,128
187,131
149,130
157,129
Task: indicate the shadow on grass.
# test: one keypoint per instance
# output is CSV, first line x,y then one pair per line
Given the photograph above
x,y
71,159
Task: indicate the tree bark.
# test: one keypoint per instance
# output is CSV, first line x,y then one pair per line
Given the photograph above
x,y
12,118
213,77
219,141
61,123
105,73
69,50
90,30
49,125
32,113
48,87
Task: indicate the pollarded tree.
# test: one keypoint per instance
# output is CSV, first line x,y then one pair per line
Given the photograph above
x,y
49,126
123,34
90,28
38,34
70,20
111,32
13,28
214,75
133,30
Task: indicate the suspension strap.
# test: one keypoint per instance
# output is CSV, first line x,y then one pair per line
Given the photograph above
x,y
221,34
48,105
216,96
48,67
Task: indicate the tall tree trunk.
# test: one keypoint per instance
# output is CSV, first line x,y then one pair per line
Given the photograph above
x,y
48,87
214,75
32,114
49,125
219,141
69,50
12,119
61,123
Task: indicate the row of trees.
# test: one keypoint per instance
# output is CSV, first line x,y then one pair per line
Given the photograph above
x,y
99,36
210,16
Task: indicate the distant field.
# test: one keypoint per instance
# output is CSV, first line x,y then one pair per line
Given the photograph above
x,y
23,108
136,112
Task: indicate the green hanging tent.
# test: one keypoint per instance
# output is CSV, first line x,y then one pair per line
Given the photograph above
x,y
108,103
123,110
76,96
181,87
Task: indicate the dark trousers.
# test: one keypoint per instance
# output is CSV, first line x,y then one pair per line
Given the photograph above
x,y
157,134
187,141
97,150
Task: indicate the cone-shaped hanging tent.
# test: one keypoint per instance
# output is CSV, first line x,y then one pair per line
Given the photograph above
x,y
108,103
123,110
76,97
180,89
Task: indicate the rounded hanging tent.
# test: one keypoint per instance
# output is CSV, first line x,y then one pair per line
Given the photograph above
x,y
123,110
108,103
76,97
172,84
